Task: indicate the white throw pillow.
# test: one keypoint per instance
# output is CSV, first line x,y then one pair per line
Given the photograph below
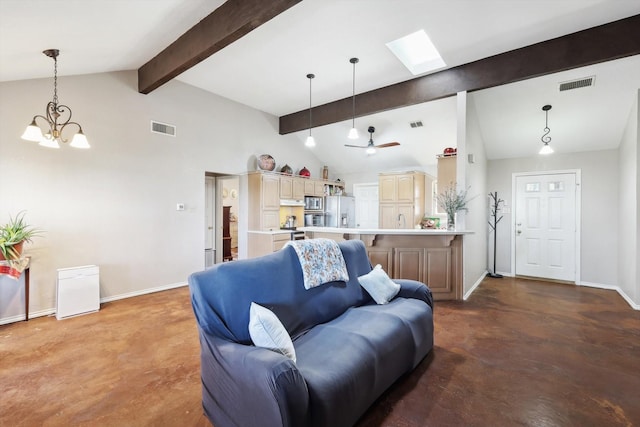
x,y
267,331
380,287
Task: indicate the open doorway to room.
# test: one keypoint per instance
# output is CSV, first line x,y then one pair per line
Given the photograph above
x,y
222,204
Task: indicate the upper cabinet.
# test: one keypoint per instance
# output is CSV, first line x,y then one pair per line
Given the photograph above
x,y
446,172
264,201
402,199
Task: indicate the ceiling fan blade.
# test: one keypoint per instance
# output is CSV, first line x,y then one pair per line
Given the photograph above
x,y
355,146
388,144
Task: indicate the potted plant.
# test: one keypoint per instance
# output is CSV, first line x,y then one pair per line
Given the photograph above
x,y
13,235
452,201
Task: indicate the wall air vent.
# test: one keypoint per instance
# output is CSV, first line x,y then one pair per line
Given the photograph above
x,y
163,128
577,84
416,124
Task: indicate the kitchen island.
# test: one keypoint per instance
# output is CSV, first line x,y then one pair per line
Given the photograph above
x,y
430,256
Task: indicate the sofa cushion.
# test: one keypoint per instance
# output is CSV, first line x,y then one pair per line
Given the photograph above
x,y
267,331
221,296
350,361
379,286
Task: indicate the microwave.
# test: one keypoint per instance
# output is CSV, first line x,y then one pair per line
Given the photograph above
x,y
312,203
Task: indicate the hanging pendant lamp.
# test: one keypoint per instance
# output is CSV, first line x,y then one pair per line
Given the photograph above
x,y
56,114
310,142
353,133
546,148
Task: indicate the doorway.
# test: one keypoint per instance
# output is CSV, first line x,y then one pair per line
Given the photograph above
x,y
366,205
221,191
546,228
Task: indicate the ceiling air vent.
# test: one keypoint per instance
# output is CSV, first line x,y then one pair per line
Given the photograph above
x,y
416,124
577,84
163,128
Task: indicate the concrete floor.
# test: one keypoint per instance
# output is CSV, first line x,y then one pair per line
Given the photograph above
x,y
518,352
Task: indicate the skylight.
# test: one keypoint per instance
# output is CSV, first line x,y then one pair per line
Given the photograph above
x,y
417,53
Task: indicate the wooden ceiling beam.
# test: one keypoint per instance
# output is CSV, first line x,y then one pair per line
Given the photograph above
x,y
232,20
606,42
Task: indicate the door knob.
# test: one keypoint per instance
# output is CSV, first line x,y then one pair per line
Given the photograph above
x,y
519,232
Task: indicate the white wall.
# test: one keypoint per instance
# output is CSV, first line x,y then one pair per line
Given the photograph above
x,y
629,211
475,245
599,232
115,204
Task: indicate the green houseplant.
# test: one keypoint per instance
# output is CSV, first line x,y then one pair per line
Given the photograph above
x,y
452,201
14,234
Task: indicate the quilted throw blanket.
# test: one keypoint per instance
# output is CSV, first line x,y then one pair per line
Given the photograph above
x,y
321,261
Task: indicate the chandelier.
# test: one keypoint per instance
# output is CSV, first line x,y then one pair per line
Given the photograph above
x,y
58,117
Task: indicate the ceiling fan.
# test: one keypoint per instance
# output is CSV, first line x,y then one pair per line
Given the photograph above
x,y
371,147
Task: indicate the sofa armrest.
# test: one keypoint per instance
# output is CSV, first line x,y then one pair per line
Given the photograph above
x,y
416,290
243,385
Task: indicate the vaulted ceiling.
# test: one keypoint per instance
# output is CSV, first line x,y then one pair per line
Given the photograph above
x,y
266,68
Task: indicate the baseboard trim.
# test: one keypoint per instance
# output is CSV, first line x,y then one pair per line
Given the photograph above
x,y
143,292
32,315
52,311
475,285
619,290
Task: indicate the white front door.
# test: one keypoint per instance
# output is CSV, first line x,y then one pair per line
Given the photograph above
x,y
366,205
545,226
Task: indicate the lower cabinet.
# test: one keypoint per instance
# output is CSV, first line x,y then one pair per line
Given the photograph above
x,y
382,256
260,244
429,258
432,266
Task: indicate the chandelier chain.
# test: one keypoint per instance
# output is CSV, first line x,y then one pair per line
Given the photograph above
x,y
55,81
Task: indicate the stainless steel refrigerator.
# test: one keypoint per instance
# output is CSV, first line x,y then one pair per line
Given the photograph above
x,y
340,211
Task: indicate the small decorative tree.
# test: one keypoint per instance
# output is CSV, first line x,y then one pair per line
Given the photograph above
x,y
452,201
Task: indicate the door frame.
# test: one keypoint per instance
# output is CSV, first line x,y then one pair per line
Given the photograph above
x,y
578,213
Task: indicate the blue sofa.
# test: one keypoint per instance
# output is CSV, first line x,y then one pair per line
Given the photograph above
x,y
349,349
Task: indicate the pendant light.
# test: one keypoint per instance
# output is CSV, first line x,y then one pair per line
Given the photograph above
x,y
310,142
353,133
54,112
546,148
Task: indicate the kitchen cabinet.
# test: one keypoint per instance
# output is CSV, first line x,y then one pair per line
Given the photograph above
x,y
298,188
318,188
286,187
401,199
264,201
431,257
446,172
263,243
292,187
427,265
310,187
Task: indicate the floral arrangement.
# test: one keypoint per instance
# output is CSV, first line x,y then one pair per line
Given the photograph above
x,y
452,201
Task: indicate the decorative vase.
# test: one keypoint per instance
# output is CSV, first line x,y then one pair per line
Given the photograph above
x,y
304,172
325,173
286,169
451,221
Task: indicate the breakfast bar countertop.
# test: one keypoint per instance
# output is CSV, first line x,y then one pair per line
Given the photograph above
x,y
407,231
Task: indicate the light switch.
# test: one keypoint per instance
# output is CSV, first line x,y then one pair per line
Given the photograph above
x,y
180,207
